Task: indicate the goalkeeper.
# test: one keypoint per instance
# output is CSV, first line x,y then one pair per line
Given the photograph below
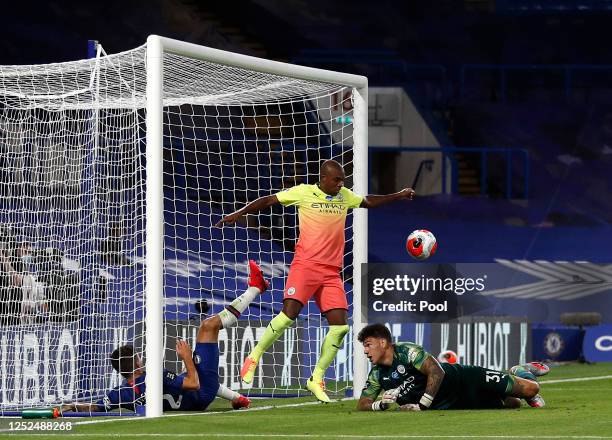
x,y
193,390
413,380
315,270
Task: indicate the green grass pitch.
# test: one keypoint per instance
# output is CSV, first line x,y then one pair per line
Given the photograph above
x,y
575,409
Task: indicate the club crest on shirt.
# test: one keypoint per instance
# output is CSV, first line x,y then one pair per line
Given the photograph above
x,y
291,291
197,359
338,197
401,369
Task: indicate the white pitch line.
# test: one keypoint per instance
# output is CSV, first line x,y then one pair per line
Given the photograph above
x,y
326,436
204,413
262,408
575,379
552,389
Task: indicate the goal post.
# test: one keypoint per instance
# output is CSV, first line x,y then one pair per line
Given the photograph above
x,y
360,231
156,48
117,168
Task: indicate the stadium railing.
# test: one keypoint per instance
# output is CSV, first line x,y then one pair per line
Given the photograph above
x,y
507,155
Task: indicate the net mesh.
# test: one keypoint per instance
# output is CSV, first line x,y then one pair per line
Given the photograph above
x,y
72,217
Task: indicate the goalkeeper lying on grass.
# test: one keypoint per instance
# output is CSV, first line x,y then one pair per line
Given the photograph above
x,y
193,390
411,379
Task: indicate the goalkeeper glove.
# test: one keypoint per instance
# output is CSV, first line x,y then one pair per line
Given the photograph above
x,y
388,401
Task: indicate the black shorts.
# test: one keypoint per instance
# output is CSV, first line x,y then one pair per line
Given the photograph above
x,y
481,388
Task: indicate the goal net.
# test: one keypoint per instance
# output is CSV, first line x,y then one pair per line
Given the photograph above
x,y
114,172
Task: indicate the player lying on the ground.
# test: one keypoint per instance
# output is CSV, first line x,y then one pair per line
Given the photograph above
x,y
195,389
413,380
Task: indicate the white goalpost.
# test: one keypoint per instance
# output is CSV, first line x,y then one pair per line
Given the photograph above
x,y
114,171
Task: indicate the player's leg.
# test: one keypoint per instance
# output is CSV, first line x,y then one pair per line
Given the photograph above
x,y
502,385
530,372
331,300
206,352
301,283
276,327
512,402
528,390
257,285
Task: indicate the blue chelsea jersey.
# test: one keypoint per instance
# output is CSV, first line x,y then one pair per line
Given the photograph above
x,y
130,394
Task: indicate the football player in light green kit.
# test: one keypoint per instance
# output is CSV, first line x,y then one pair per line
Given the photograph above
x,y
412,379
317,263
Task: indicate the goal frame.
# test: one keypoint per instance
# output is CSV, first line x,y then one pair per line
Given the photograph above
x,y
155,49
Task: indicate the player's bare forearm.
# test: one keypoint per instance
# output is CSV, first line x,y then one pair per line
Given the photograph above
x,y
83,407
435,375
365,404
191,382
374,201
254,206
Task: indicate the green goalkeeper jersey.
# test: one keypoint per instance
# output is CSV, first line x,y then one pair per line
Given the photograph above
x,y
462,386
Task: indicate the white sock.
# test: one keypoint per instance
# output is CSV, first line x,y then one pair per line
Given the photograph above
x,y
225,393
229,316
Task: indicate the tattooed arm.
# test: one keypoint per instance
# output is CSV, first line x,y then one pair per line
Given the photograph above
x,y
435,374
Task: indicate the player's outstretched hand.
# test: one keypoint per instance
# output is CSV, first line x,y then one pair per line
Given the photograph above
x,y
407,193
183,349
389,398
229,219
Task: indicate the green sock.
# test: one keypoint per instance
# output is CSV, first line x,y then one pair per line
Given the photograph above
x,y
274,330
331,345
524,373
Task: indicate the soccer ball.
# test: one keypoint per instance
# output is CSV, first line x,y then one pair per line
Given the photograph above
x,y
448,357
421,244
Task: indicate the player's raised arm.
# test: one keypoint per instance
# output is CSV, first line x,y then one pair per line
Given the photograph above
x,y
191,381
435,374
254,206
373,201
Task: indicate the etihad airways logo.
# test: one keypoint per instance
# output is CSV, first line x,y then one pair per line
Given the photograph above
x,y
327,206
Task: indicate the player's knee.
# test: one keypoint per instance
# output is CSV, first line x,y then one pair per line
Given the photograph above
x,y
339,330
292,308
209,326
532,389
528,388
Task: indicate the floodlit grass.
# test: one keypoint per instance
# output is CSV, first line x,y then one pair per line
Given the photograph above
x,y
574,410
